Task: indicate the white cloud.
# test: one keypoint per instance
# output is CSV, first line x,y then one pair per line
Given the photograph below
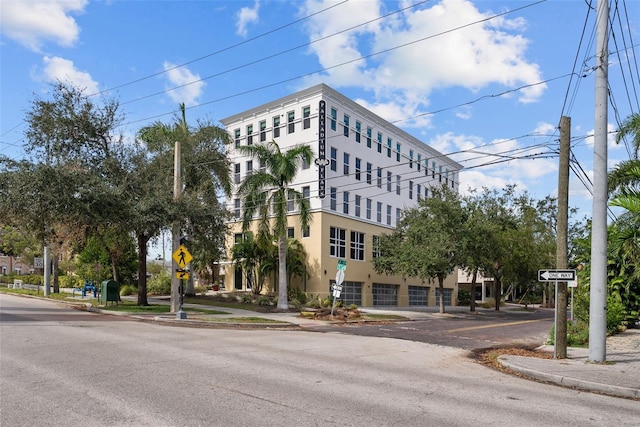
x,y
611,138
494,164
246,16
32,23
189,84
416,60
60,69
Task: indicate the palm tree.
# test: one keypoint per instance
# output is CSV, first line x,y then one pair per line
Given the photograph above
x,y
266,193
205,175
626,175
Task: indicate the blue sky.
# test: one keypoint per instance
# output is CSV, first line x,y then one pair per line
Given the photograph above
x,y
484,81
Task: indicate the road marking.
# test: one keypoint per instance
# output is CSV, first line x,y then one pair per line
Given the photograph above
x,y
495,325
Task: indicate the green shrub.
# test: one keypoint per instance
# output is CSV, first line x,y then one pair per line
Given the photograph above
x,y
200,289
326,302
70,281
126,290
160,284
264,300
464,297
297,294
353,307
247,299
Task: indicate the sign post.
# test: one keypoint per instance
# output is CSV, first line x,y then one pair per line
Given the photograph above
x,y
556,276
182,257
337,288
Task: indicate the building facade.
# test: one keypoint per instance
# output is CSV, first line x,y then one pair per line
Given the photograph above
x,y
366,171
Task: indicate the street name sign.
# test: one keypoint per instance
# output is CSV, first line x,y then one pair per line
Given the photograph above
x,y
556,275
342,264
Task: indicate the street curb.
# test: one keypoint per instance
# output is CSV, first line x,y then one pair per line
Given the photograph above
x,y
565,381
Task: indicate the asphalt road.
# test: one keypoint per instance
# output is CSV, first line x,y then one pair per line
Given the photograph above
x,y
60,367
485,329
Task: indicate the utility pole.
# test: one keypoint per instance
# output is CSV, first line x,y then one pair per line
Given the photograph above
x,y
598,287
176,290
561,239
47,269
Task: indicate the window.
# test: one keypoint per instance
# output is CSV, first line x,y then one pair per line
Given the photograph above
x,y
276,127
357,246
345,158
369,166
439,173
368,208
433,169
388,181
337,242
369,132
236,173
236,137
379,142
446,176
375,253
345,130
334,118
291,125
305,164
263,131
263,167
411,159
418,191
249,134
388,214
418,295
426,191
426,167
249,167
389,145
306,232
306,192
453,180
334,159
334,198
398,146
358,206
237,237
398,215
306,117
418,163
290,205
290,232
410,190
236,208
345,202
379,178
379,212
358,166
358,131
398,185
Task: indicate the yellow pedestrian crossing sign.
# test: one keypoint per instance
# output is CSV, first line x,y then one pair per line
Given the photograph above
x,y
182,257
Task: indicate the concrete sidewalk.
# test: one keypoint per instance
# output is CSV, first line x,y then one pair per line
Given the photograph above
x,y
618,376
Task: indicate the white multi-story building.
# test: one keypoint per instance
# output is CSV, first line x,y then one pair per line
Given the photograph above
x,y
366,172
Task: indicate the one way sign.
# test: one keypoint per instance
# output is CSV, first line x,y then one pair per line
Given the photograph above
x,y
553,275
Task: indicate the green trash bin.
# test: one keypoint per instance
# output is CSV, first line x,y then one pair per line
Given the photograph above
x,y
109,292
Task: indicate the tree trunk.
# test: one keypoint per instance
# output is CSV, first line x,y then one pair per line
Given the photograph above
x,y
283,303
441,287
496,292
142,269
54,273
472,300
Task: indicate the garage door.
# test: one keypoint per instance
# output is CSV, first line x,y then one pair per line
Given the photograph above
x,y
385,295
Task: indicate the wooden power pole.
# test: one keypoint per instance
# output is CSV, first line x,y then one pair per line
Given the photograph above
x,y
561,239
